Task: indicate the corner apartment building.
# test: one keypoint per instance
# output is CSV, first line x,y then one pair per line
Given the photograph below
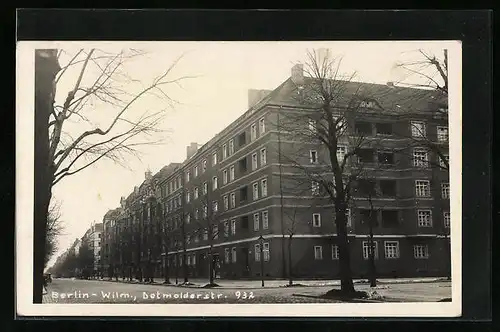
x,y
92,238
238,198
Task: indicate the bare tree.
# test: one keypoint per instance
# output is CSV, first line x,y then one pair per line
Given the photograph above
x,y
429,73
105,102
290,231
331,102
54,230
207,226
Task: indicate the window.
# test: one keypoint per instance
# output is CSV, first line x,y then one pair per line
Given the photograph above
x,y
226,228
256,222
263,157
341,151
196,193
231,146
195,171
188,218
442,134
244,194
255,191
196,238
263,187
257,252
366,187
226,255
254,161
266,252
215,206
420,157
188,239
384,128
231,173
205,188
367,104
348,217
204,166
367,216
180,261
391,249
314,188
388,188
417,129
316,220
224,176
313,156
366,249
215,183
242,139
365,155
446,219
193,260
386,158
214,158
363,128
205,234
188,197
175,185
421,251
205,211
318,252
422,188
242,165
196,214
262,126
444,163
233,200
233,255
265,220
188,176
226,202
390,218
215,232
253,132
224,151
335,251
424,218
233,227
445,190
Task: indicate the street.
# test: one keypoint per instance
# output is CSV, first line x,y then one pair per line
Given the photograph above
x,y
96,291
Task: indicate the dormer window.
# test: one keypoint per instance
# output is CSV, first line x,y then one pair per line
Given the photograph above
x,y
367,104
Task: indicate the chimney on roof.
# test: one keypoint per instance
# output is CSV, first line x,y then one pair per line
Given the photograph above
x,y
298,74
148,175
390,84
191,149
254,96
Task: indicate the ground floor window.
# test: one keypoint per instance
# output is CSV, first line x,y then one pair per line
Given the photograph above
x,y
366,249
391,249
421,251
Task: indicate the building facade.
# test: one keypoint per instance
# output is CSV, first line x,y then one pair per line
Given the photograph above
x,y
243,205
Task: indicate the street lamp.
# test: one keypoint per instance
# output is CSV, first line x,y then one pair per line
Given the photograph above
x,y
261,241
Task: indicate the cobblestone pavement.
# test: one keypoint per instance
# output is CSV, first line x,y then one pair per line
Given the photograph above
x,y
95,291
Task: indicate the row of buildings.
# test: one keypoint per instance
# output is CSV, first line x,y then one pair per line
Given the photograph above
x,y
234,202
83,257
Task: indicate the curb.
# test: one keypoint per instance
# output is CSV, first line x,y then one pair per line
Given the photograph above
x,y
380,282
343,301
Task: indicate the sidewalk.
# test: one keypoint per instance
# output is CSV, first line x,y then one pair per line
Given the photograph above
x,y
256,284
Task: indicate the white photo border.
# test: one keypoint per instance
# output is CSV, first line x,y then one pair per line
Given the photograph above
x,y
24,213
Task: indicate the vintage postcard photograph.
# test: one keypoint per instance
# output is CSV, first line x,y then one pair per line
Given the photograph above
x,y
318,179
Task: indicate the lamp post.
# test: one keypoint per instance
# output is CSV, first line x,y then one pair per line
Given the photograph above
x,y
261,246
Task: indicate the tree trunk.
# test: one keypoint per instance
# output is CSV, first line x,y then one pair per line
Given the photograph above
x,y
346,284
290,276
46,68
166,270
373,274
211,266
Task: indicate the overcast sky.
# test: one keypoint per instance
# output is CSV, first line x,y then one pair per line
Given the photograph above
x,y
208,103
